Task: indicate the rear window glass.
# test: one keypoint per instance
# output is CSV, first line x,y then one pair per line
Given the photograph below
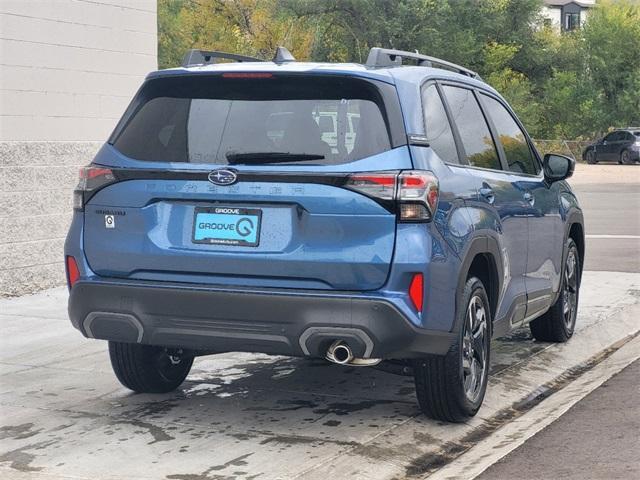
x,y
313,120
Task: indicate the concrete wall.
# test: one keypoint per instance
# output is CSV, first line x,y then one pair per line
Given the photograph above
x,y
68,69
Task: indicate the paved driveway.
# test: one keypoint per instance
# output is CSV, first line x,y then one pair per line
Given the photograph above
x,y
244,416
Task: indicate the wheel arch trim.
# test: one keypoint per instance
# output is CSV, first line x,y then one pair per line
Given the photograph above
x,y
483,244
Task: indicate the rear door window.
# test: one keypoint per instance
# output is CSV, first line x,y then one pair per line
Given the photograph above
x,y
611,137
519,156
221,120
438,130
472,127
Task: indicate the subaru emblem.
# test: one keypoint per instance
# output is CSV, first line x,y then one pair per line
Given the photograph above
x,y
224,176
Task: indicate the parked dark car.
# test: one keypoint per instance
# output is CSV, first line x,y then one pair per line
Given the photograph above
x,y
622,146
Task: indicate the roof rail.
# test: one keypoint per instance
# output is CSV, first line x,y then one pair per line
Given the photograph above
x,y
386,57
205,57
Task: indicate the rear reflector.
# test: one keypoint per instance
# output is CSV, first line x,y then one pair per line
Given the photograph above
x,y
416,291
73,273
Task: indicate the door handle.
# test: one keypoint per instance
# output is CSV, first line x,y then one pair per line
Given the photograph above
x,y
529,198
488,194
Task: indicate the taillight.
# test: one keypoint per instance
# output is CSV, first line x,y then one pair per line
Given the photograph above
x,y
416,291
376,185
73,273
418,196
91,178
414,191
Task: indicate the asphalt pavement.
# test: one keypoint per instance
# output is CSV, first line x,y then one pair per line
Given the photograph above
x,y
610,198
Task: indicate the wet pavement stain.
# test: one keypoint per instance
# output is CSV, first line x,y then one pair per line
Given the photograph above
x,y
18,432
206,475
332,423
21,458
158,433
294,405
153,408
290,440
343,408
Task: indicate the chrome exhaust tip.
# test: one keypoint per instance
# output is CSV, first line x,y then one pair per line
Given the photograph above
x,y
339,352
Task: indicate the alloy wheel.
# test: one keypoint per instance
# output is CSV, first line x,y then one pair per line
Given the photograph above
x,y
570,290
474,348
626,159
169,363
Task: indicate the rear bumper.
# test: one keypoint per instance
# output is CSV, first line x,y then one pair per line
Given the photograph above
x,y
269,321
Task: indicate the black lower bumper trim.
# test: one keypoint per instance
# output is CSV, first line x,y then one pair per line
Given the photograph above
x,y
253,321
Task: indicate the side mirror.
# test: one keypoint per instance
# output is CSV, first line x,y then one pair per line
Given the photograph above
x,y
557,167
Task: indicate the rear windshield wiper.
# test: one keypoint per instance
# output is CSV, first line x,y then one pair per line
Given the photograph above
x,y
252,158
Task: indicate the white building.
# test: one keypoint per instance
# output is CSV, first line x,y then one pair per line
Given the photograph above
x,y
567,14
68,69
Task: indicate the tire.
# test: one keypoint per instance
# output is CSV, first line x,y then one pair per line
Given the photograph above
x,y
148,369
558,323
625,158
591,157
445,385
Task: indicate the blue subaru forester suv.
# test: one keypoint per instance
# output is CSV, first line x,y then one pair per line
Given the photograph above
x,y
395,211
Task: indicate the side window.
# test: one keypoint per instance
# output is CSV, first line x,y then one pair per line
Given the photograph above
x,y
474,131
611,137
437,126
514,143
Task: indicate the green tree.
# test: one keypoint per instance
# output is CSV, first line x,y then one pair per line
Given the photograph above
x,y
612,57
171,34
561,84
250,27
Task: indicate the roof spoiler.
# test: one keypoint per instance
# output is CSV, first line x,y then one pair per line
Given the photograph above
x,y
208,57
386,57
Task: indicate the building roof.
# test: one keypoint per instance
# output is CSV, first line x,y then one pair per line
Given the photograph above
x,y
562,3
